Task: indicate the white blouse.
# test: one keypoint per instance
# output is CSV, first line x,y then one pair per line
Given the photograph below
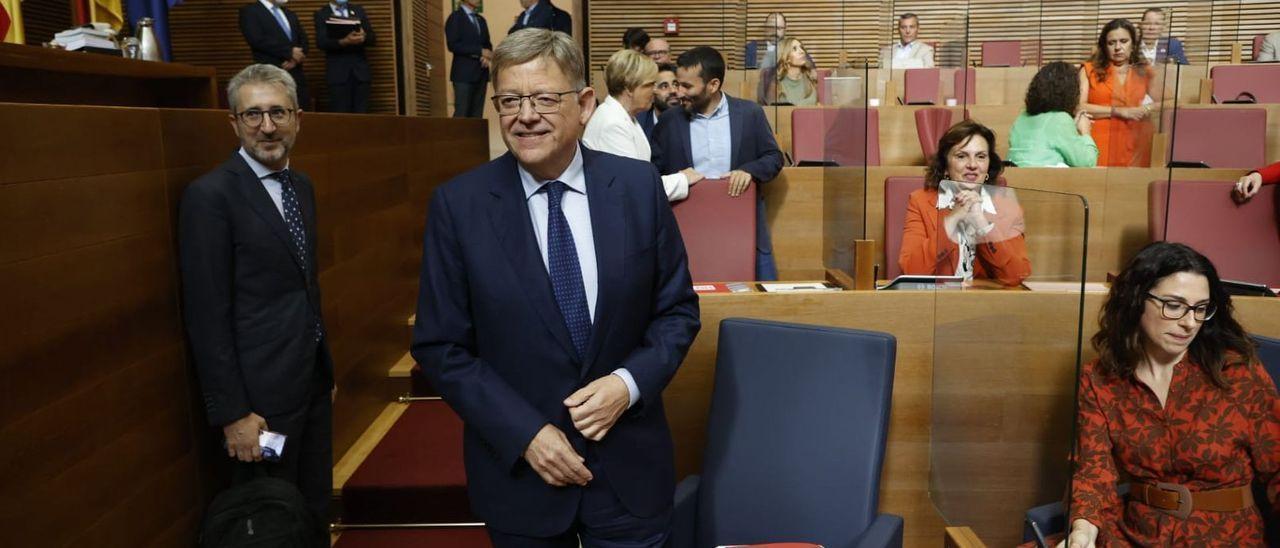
x,y
614,130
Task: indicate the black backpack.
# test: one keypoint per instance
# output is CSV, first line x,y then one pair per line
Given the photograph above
x,y
263,512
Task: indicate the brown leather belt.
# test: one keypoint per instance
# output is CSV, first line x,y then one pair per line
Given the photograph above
x,y
1178,501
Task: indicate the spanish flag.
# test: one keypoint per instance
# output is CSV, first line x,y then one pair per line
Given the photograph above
x,y
110,12
11,22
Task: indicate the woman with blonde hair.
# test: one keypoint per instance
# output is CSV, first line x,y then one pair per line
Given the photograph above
x,y
796,80
613,128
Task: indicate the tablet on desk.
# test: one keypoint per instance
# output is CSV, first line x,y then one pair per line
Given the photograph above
x,y
917,282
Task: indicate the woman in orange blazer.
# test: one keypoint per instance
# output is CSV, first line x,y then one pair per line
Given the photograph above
x,y
971,231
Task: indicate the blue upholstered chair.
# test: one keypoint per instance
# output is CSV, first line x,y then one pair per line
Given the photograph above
x,y
795,440
1051,518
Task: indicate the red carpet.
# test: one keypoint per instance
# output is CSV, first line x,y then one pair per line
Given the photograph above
x,y
459,537
414,475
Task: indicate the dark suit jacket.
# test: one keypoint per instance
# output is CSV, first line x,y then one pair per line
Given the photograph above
x,y
344,63
266,39
491,339
647,123
248,304
466,43
545,16
1170,49
754,149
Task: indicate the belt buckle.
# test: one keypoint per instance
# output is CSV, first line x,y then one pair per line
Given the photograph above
x,y
1184,499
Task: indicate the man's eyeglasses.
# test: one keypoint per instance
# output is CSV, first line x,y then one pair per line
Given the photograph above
x,y
543,103
652,52
1172,309
253,117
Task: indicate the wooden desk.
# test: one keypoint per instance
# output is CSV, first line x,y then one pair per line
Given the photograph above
x,y
45,75
984,380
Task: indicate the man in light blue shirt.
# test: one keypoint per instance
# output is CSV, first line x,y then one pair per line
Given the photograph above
x,y
719,137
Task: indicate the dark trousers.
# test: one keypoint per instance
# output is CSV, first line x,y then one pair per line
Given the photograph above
x,y
349,96
602,522
307,460
468,99
304,93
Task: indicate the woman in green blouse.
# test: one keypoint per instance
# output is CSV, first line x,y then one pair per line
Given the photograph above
x,y
797,81
1045,135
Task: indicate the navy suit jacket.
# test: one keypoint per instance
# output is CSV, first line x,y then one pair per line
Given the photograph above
x,y
466,43
344,63
250,304
647,123
491,339
545,16
1170,49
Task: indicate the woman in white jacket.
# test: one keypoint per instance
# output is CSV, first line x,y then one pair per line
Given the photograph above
x,y
630,77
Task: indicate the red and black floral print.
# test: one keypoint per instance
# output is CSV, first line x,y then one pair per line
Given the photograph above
x,y
1204,437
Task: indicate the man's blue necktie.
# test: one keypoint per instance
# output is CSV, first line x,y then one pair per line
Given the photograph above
x,y
565,271
293,220
284,25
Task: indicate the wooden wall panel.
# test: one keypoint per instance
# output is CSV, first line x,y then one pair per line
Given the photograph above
x,y
207,33
1064,29
103,441
41,19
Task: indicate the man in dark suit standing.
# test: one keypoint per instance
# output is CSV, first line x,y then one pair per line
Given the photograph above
x,y
555,306
719,136
346,66
664,97
541,14
251,300
467,36
276,37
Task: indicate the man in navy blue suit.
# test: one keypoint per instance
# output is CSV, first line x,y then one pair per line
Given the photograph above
x,y
719,136
541,14
1157,47
467,37
664,97
555,306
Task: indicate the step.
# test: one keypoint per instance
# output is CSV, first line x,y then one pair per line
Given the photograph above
x,y
408,368
435,537
414,474
359,451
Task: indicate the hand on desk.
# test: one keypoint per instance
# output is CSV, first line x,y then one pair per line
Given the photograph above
x,y
738,182
555,461
1247,186
691,175
1083,535
242,437
595,407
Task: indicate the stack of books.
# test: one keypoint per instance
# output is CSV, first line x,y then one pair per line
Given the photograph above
x,y
88,39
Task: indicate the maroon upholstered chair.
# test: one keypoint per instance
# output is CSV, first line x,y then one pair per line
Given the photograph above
x,y
966,86
931,123
1002,53
1257,46
1218,137
896,192
719,231
835,136
1261,80
920,86
822,75
1242,240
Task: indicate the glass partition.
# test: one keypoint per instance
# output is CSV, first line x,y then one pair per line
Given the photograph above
x,y
1005,355
847,133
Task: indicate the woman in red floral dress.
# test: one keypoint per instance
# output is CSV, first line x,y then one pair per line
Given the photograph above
x,y
1177,405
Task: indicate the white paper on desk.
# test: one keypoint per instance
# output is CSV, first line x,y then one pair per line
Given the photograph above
x,y
773,287
1089,287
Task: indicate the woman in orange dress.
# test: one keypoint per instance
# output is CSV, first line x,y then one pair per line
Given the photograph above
x,y
1114,89
1178,405
967,229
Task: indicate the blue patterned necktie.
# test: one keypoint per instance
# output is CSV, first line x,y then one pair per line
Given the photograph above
x,y
565,271
284,25
293,221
